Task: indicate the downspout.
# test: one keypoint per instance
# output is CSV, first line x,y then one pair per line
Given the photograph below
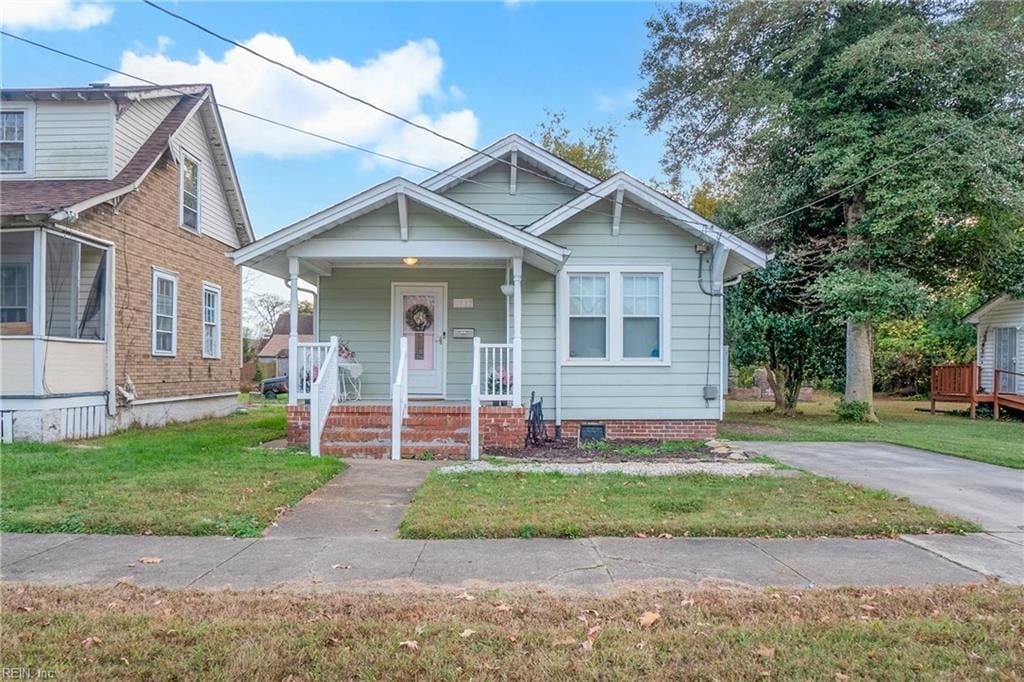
x,y
111,327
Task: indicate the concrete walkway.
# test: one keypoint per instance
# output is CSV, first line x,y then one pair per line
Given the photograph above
x,y
367,500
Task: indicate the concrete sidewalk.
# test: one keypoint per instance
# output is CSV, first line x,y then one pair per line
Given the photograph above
x,y
598,564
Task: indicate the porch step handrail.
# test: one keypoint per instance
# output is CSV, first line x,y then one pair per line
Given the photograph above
x,y
323,395
310,357
400,398
494,378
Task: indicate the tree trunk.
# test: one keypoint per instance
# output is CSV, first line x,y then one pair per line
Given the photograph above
x,y
777,380
860,376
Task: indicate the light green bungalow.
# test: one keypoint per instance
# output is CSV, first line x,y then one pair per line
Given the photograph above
x,y
444,306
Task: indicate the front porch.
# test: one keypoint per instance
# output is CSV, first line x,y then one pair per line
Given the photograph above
x,y
963,383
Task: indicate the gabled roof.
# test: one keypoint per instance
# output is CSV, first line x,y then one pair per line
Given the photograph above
x,y
101,91
974,317
277,243
64,199
538,156
652,200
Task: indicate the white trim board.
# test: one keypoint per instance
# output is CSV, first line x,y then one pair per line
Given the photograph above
x,y
506,146
381,195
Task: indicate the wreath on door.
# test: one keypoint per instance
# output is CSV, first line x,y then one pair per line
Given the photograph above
x,y
418,318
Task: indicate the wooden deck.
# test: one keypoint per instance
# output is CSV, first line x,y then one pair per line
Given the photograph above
x,y
962,384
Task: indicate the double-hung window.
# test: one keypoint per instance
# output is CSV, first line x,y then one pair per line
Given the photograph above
x,y
641,316
165,313
190,189
588,316
15,288
13,143
211,321
615,315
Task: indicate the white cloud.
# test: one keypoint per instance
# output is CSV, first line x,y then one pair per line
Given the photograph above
x,y
53,15
610,103
406,80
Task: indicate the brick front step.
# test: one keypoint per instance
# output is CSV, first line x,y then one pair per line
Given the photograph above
x,y
382,450
411,434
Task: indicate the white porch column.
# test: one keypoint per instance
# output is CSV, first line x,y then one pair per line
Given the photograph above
x,y
293,331
38,310
517,330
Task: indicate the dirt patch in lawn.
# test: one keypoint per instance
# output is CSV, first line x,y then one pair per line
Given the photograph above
x,y
622,451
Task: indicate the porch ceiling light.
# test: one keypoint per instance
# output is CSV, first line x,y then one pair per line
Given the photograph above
x,y
507,289
410,260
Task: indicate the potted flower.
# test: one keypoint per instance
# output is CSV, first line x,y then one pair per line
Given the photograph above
x,y
499,383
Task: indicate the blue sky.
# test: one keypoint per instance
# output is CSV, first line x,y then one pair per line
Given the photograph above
x,y
476,70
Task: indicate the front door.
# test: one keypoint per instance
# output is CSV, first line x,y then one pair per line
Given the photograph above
x,y
1006,358
419,315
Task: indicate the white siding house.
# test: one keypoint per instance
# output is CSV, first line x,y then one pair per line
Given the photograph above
x,y
512,274
1000,328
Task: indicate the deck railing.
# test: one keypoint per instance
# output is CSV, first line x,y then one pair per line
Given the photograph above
x,y
1008,388
400,398
310,359
494,378
955,381
323,394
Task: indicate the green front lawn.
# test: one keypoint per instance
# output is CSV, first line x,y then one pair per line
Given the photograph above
x,y
199,478
502,505
900,422
955,633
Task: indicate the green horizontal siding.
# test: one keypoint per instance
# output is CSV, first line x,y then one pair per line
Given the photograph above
x,y
488,192
355,306
624,392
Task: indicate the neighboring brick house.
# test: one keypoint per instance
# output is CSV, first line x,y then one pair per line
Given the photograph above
x,y
118,303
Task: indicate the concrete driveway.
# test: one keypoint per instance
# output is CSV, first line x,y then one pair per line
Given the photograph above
x,y
990,495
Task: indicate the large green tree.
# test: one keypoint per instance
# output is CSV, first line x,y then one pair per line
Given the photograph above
x,y
901,121
592,151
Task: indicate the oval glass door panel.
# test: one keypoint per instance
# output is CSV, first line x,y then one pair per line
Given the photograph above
x,y
419,323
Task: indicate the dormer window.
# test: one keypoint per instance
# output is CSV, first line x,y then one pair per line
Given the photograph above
x,y
13,157
190,192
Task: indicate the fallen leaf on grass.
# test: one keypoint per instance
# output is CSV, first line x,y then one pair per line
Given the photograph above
x,y
502,606
867,607
649,618
765,651
587,644
664,536
91,641
841,677
420,629
149,560
563,641
467,633
410,644
466,596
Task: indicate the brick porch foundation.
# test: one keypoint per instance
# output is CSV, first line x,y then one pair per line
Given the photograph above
x,y
443,430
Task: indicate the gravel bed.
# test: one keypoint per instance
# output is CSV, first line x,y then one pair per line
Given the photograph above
x,y
628,468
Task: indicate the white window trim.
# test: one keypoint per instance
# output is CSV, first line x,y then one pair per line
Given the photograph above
x,y
29,109
159,274
26,263
614,328
199,192
207,286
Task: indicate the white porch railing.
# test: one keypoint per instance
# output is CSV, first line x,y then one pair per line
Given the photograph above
x,y
309,359
494,378
323,394
400,398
